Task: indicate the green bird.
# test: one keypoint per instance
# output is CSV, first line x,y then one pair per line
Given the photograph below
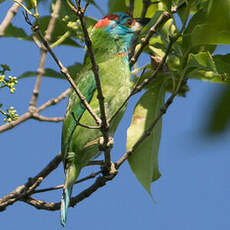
x,y
111,38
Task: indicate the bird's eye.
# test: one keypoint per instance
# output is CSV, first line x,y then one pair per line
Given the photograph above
x,y
129,22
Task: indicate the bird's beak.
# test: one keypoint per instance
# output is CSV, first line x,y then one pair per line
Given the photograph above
x,y
140,23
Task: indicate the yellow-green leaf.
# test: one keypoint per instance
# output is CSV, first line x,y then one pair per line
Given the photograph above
x,y
144,160
202,66
138,7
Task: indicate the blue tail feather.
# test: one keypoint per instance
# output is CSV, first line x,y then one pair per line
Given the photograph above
x,y
65,201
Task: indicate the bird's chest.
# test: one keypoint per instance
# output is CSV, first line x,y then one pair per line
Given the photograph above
x,y
115,83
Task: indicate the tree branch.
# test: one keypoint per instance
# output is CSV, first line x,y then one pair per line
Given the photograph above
x,y
30,114
144,41
104,124
64,71
24,190
91,176
9,17
131,7
39,117
40,69
51,206
54,101
12,124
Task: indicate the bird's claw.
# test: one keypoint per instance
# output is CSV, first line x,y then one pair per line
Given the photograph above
x,y
108,145
110,173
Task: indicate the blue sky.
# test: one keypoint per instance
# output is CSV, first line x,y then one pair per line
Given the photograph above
x,y
193,192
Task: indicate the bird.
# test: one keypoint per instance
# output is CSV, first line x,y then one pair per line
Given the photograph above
x,y
111,38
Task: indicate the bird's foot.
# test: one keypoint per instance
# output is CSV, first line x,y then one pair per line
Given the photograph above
x,y
105,145
110,173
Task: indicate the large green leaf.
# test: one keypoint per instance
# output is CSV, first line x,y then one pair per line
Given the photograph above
x,y
222,65
144,160
138,7
73,70
65,11
13,31
194,6
117,6
29,5
59,30
220,117
210,26
202,66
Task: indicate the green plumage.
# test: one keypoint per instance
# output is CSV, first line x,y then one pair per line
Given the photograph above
x,y
79,145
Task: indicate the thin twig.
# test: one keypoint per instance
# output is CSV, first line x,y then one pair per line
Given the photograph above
x,y
82,125
12,124
23,190
95,162
172,40
40,72
9,17
162,19
144,41
51,206
159,67
39,117
91,176
40,69
131,7
64,71
29,114
54,101
100,97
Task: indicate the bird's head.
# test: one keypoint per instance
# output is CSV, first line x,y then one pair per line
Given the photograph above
x,y
119,26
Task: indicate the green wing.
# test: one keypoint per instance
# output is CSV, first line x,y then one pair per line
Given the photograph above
x,y
87,86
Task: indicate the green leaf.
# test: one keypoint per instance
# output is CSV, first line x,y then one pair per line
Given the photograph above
x,y
73,70
153,21
210,25
29,5
220,116
64,11
5,68
194,6
144,160
222,65
208,34
59,30
48,73
1,1
138,7
117,6
202,66
202,60
166,4
168,29
13,31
